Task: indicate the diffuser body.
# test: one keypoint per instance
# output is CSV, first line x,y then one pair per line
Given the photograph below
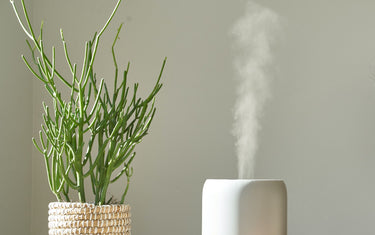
x,y
244,207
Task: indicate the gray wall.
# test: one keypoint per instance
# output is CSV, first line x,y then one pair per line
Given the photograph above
x,y
318,128
318,131
15,128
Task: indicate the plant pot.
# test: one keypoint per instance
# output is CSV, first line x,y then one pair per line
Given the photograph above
x,y
242,207
85,218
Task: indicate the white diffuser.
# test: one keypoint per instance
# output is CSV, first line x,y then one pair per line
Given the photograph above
x,y
244,207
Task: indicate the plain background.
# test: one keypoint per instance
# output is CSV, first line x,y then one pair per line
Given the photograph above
x,y
15,128
318,129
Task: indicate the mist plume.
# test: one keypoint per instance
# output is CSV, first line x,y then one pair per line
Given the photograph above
x,y
253,36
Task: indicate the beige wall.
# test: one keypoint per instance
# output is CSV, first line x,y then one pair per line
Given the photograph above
x,y
318,129
15,128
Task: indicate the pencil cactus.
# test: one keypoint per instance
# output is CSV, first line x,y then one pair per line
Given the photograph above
x,y
90,118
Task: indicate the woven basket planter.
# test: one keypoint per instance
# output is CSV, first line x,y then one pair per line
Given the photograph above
x,y
85,218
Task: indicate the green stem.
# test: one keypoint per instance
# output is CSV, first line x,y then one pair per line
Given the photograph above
x,y
105,185
81,189
126,190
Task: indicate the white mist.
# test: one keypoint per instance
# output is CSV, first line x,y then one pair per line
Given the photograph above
x,y
253,36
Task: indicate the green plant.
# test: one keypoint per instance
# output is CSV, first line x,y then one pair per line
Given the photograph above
x,y
89,118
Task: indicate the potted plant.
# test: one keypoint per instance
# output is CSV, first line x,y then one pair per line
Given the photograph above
x,y
89,134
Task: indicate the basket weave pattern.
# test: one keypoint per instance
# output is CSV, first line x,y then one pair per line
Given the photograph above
x,y
84,218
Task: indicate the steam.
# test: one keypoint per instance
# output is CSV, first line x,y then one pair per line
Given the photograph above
x,y
254,34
